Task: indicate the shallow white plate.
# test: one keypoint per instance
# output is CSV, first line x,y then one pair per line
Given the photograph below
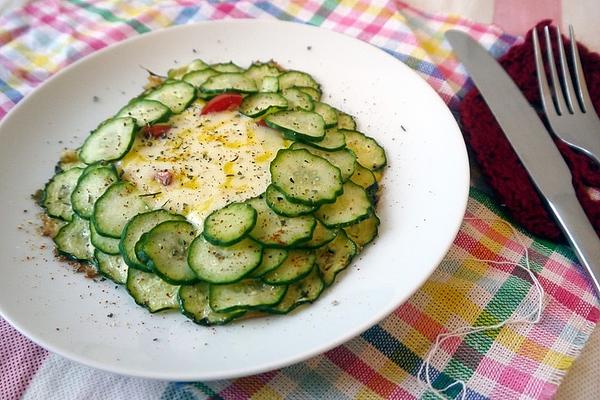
x,y
425,191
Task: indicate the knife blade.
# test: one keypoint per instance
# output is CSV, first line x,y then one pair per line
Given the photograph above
x,y
534,147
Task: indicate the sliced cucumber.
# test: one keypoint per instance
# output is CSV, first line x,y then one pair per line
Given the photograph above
x,y
282,206
110,141
296,78
305,178
228,82
176,95
345,121
344,159
297,99
349,208
195,65
258,104
92,183
166,248
363,232
145,111
223,264
133,231
269,84
333,140
194,304
335,256
105,244
151,292
296,125
271,259
119,203
111,266
304,291
296,266
244,295
197,78
321,236
259,71
327,112
274,230
368,152
314,94
230,224
363,177
227,67
57,194
73,240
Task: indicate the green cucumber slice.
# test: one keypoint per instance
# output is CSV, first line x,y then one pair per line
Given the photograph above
x,y
151,292
109,142
73,240
176,95
223,264
306,290
297,99
344,159
297,125
116,207
57,193
195,65
194,304
363,232
197,78
92,183
105,244
166,247
321,236
230,224
334,257
244,295
368,152
282,206
345,121
145,111
296,266
111,266
297,78
269,84
259,71
352,206
133,231
314,94
227,67
228,82
328,113
274,230
271,259
259,104
363,177
305,178
333,140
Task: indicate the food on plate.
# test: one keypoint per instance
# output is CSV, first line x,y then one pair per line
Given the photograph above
x,y
220,191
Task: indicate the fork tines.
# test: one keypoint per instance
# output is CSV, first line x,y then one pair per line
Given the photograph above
x,y
568,95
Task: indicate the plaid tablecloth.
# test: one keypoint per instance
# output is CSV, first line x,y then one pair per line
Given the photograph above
x,y
517,361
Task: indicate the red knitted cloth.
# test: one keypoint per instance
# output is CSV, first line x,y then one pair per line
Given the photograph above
x,y
499,163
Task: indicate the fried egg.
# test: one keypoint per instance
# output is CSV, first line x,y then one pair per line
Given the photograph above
x,y
203,162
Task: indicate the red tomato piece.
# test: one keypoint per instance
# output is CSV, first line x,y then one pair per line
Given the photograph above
x,y
261,122
222,102
156,131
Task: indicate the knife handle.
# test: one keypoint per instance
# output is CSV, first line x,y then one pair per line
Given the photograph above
x,y
579,232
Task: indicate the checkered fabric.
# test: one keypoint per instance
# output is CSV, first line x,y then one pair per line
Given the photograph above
x,y
523,361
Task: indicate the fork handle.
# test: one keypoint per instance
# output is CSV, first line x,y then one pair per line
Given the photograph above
x,y
579,232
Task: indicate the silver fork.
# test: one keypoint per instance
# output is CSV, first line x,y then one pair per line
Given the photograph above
x,y
566,102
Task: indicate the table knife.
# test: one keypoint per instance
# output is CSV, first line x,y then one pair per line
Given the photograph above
x,y
534,147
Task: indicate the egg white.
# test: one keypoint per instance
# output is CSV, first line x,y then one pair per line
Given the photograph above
x,y
214,159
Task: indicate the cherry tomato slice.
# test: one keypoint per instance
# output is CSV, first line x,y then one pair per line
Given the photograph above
x,y
222,102
156,131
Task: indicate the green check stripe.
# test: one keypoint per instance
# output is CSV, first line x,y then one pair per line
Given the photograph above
x,y
110,17
323,12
